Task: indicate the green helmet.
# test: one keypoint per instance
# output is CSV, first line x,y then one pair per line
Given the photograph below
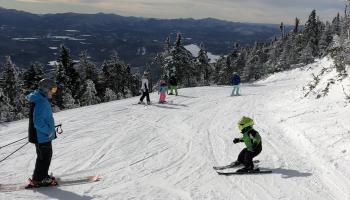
x,y
245,122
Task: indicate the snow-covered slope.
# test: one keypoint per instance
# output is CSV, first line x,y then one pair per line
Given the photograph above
x,y
167,151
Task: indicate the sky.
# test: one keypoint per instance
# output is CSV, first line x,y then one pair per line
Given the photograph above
x,y
255,11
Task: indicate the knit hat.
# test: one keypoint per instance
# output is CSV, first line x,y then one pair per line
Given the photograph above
x,y
46,84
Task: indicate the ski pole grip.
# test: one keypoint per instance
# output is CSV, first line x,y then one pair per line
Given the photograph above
x,y
59,129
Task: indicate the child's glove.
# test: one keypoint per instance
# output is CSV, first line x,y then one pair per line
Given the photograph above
x,y
236,140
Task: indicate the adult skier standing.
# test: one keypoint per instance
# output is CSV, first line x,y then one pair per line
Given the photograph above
x,y
236,81
42,131
252,141
145,89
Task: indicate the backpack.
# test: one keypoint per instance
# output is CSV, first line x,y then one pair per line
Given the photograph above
x,y
32,135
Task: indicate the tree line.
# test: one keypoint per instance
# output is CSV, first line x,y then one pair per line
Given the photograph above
x,y
83,83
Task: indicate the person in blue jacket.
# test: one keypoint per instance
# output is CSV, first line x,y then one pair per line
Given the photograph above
x,y
42,130
236,81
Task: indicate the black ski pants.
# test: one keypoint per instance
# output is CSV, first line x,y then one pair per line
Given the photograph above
x,y
43,160
246,156
145,94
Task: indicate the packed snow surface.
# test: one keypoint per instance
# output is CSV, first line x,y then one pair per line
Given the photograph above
x,y
166,152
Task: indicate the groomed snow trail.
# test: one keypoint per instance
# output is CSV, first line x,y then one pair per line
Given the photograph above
x,y
167,151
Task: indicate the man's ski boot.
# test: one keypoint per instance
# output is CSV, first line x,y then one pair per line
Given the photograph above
x,y
235,163
46,182
246,169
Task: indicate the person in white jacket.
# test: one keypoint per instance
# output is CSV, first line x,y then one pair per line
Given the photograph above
x,y
145,89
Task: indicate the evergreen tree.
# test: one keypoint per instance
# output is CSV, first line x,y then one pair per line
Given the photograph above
x,y
336,27
180,63
255,62
326,39
219,70
89,96
115,74
6,108
296,26
307,54
88,68
68,102
32,77
312,33
12,88
110,95
203,67
71,76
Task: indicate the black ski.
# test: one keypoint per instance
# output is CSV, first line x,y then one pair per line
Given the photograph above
x,y
247,172
231,166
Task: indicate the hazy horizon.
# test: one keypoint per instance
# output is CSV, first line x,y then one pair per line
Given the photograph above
x,y
251,11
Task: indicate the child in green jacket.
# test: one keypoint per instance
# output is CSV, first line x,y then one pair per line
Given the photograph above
x,y
252,141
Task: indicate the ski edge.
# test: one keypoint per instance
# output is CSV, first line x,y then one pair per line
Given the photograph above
x,y
231,166
60,181
245,173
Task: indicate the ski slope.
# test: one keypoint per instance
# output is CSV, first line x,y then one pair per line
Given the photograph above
x,y
166,152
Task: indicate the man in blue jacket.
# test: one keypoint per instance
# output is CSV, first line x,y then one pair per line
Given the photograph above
x,y
42,130
236,80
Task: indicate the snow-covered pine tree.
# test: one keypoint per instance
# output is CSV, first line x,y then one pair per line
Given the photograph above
x,y
12,88
110,95
307,54
87,68
6,108
326,39
32,77
180,63
68,101
219,68
72,77
89,96
203,67
255,62
114,72
336,27
312,34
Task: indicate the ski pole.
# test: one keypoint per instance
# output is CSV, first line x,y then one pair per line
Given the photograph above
x,y
13,142
13,152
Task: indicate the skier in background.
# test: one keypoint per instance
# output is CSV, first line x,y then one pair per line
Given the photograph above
x,y
145,89
252,141
163,89
173,84
42,131
236,81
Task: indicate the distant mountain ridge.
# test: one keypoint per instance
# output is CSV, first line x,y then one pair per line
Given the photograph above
x,y
31,37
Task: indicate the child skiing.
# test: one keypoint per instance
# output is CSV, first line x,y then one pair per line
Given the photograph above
x,y
42,131
163,89
173,84
252,141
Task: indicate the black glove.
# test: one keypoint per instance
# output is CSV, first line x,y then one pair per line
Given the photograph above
x,y
236,140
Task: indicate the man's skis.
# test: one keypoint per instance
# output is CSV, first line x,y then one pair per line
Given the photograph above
x,y
255,171
231,166
60,182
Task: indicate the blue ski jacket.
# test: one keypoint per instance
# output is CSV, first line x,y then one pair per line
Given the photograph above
x,y
236,80
163,88
42,116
